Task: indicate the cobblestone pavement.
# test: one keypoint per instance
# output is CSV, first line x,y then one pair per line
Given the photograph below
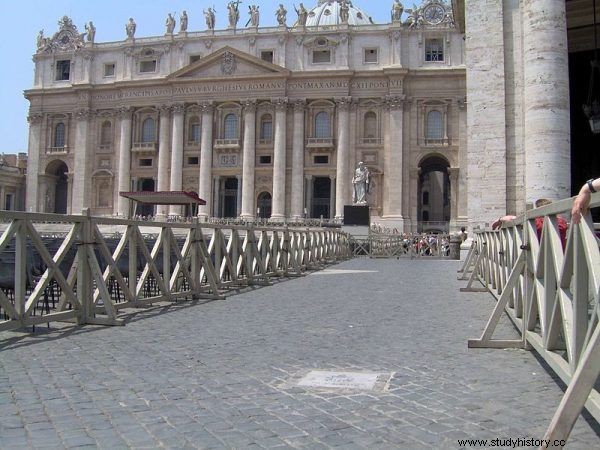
x,y
223,374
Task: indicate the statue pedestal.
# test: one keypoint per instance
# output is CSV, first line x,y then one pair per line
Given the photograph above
x,y
357,215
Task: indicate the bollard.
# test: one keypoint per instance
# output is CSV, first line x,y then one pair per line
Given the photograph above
x,y
455,242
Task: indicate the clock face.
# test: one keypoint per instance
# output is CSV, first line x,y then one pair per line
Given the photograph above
x,y
434,14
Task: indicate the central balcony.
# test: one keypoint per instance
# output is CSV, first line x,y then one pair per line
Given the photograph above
x,y
227,144
319,143
148,148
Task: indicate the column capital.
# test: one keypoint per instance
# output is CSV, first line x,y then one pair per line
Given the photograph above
x,y
83,113
394,102
308,176
35,118
207,107
299,104
125,112
165,109
395,35
453,172
178,108
249,105
280,104
343,103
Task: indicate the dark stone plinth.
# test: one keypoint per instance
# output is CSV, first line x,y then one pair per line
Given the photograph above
x,y
356,215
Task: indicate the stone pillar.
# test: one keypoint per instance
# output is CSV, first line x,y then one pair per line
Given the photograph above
x,y
82,186
393,163
206,153
309,191
177,154
278,211
453,173
32,203
124,180
248,160
298,160
343,145
238,199
163,159
546,94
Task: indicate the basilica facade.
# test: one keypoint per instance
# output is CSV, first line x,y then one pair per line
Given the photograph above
x,y
263,122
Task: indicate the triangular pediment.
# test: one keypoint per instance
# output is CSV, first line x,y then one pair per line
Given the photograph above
x,y
230,63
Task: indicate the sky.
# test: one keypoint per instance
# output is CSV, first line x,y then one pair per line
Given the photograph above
x,y
24,19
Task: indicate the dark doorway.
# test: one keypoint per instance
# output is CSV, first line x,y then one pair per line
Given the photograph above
x,y
321,197
434,194
56,200
263,203
145,184
229,199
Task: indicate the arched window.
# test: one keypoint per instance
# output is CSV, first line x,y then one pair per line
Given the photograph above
x,y
266,127
59,135
194,130
231,127
148,130
322,125
435,129
106,133
370,125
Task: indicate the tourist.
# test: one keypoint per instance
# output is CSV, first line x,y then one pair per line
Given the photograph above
x,y
581,203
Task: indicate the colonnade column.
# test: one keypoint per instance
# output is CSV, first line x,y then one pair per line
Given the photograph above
x,y
124,181
248,160
393,162
206,151
343,145
298,160
163,158
278,211
177,154
547,126
33,162
82,188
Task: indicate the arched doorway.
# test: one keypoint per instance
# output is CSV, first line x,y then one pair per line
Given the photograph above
x,y
321,197
229,197
433,207
263,203
57,192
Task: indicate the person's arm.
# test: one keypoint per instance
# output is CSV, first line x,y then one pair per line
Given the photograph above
x,y
582,201
498,222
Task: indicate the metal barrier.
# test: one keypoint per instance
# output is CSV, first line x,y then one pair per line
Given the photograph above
x,y
98,266
551,290
383,245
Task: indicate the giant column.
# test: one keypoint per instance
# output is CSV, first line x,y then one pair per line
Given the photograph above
x,y
177,154
343,145
248,160
278,211
82,189
298,160
163,158
124,184
206,151
546,98
393,163
33,162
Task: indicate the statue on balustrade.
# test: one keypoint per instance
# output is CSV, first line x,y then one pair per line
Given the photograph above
x,y
254,16
210,18
397,10
170,24
361,183
130,28
281,15
183,22
233,13
344,11
90,31
302,14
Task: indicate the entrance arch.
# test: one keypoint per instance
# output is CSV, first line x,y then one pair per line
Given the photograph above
x,y
57,192
433,206
264,202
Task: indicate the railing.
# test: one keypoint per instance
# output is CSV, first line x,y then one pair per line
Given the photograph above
x,y
370,141
148,147
401,246
437,142
227,143
64,150
302,222
319,142
98,266
552,296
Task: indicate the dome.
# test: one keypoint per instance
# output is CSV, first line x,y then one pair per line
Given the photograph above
x,y
327,13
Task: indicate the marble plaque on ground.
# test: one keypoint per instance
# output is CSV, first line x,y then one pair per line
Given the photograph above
x,y
341,380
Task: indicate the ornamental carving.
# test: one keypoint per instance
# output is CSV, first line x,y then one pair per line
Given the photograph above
x,y
249,105
178,108
206,107
228,64
66,39
343,103
34,119
299,105
280,103
394,101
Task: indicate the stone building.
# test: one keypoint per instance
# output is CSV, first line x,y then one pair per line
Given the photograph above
x,y
12,181
259,121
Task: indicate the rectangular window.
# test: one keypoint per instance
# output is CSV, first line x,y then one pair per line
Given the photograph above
x,y
194,58
434,50
371,55
264,159
321,56
148,66
63,70
267,55
193,161
109,70
321,159
146,162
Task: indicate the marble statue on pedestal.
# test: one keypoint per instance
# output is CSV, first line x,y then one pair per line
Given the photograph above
x,y
361,182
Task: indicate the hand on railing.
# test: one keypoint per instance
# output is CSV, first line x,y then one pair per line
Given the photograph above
x,y
582,201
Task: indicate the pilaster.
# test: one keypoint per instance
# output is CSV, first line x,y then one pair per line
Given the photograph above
x,y
206,154
33,162
82,194
298,160
248,159
124,177
163,158
343,138
177,153
278,211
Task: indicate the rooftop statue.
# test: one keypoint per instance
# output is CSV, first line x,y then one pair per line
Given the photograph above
x,y
415,19
210,18
233,13
281,15
183,22
42,42
344,11
90,31
130,28
302,14
254,16
170,24
397,10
